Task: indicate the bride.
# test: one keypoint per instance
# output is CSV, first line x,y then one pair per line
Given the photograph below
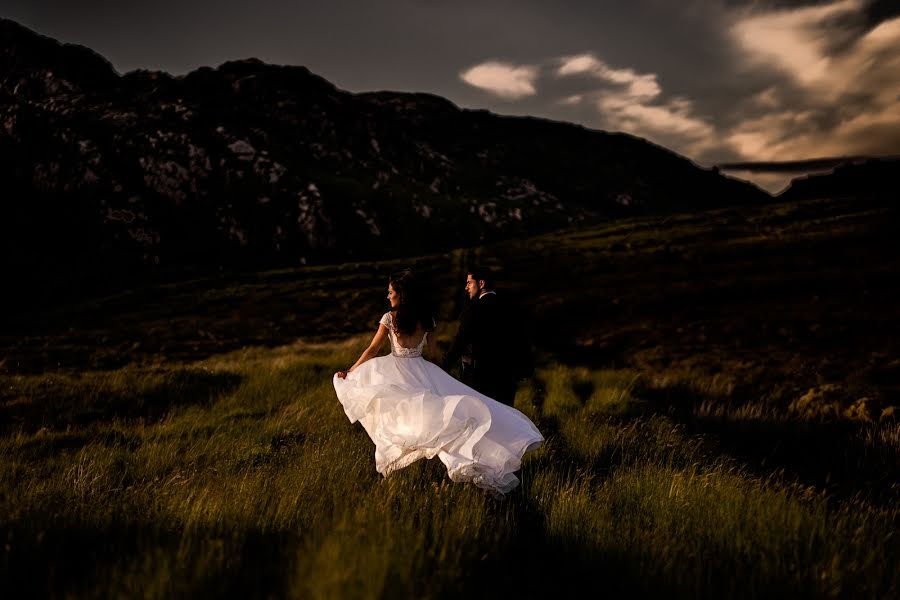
x,y
412,409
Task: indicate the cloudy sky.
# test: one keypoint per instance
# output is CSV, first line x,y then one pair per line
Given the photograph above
x,y
715,80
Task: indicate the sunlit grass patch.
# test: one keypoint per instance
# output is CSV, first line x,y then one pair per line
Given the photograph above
x,y
614,394
882,443
58,400
696,380
571,390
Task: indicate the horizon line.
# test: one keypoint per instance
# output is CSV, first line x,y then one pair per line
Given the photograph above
x,y
809,164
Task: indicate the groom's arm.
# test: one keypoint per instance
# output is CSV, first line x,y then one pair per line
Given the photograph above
x,y
461,341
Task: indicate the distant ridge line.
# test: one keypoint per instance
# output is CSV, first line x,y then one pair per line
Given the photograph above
x,y
800,165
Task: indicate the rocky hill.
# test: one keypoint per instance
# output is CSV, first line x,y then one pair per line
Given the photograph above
x,y
251,164
869,178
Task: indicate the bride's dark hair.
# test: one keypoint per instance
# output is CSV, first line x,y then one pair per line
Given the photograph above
x,y
414,308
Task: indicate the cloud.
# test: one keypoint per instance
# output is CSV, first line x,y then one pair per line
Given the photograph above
x,y
874,62
842,93
796,41
768,98
503,80
788,135
573,65
630,101
623,98
572,100
772,136
638,86
672,118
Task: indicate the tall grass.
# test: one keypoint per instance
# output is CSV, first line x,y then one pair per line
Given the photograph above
x,y
240,475
184,442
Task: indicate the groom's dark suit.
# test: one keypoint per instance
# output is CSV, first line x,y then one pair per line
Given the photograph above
x,y
484,342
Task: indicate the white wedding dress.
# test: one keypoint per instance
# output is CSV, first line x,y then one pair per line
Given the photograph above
x,y
413,409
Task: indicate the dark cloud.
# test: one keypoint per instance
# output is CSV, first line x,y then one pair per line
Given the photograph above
x,y
881,10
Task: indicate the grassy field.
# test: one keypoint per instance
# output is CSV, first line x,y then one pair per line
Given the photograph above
x,y
717,393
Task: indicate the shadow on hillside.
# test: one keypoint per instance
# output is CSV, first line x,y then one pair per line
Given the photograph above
x,y
62,403
77,351
65,560
829,455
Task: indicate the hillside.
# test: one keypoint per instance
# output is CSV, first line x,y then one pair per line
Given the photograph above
x,y
258,165
867,178
776,299
718,391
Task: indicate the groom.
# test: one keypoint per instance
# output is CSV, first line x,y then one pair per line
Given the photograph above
x,y
486,341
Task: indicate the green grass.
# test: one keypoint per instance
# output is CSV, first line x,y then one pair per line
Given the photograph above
x,y
252,482
186,440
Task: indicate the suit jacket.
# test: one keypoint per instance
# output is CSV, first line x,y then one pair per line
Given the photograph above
x,y
487,332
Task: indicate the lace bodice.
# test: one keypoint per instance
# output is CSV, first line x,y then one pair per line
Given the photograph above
x,y
396,349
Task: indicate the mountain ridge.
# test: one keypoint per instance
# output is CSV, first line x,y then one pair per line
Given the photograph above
x,y
252,164
800,166
865,178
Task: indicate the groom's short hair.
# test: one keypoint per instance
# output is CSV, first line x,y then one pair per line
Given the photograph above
x,y
480,273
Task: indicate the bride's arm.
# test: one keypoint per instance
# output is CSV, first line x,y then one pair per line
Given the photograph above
x,y
370,352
